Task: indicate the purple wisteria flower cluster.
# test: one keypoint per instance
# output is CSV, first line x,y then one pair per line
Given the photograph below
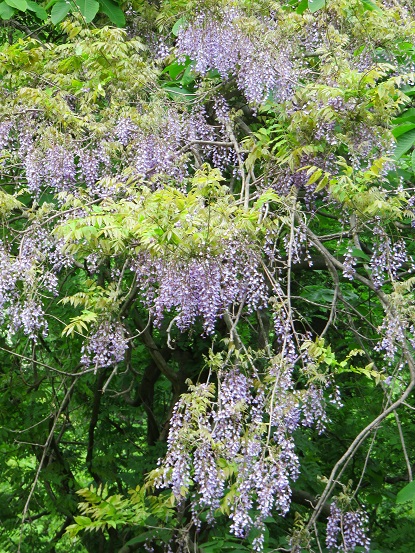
x,y
63,167
220,41
25,278
159,144
234,446
349,263
5,128
346,530
202,286
106,345
387,258
366,144
392,335
161,152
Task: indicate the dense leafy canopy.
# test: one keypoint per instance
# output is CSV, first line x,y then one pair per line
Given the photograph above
x,y
206,276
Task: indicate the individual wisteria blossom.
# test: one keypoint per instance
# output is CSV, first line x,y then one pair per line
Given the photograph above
x,y
208,476
298,246
89,166
106,346
313,408
346,530
224,157
220,41
59,169
34,170
54,168
234,396
176,465
8,277
40,246
163,49
28,316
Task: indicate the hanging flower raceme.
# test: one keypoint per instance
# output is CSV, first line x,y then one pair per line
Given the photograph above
x,y
106,346
203,286
231,446
346,530
220,41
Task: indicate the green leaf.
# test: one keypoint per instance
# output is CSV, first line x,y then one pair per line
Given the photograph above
x,y
302,6
315,5
407,493
6,12
174,69
163,535
407,115
413,161
82,521
359,253
59,11
314,292
178,25
370,6
212,546
180,93
39,10
20,5
408,90
315,176
402,129
404,143
113,12
188,76
88,9
374,498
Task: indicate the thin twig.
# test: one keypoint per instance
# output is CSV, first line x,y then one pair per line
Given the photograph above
x,y
43,458
405,452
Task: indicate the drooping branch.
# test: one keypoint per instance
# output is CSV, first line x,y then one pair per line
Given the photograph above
x,y
154,351
357,442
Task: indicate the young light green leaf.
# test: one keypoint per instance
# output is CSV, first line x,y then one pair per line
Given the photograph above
x,y
370,6
82,521
315,176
